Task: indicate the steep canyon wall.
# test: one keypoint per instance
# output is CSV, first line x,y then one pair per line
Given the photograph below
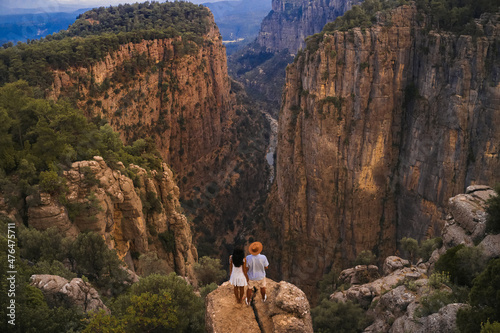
x,y
378,128
177,92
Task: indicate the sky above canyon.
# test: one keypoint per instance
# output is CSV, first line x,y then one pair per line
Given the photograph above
x,y
66,5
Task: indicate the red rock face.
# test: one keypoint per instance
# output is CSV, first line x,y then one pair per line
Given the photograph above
x,y
178,92
379,127
181,100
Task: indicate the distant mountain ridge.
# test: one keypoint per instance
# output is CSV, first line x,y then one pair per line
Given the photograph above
x,y
21,27
239,19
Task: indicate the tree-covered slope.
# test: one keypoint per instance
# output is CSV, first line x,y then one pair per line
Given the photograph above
x,y
98,32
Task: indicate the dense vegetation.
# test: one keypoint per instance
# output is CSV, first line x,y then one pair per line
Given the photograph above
x,y
456,16
98,32
134,308
157,303
40,138
184,17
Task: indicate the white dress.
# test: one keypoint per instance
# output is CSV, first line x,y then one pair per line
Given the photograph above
x,y
238,278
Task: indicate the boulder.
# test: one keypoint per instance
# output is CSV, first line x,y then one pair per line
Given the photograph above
x,y
76,292
444,321
490,246
394,263
359,275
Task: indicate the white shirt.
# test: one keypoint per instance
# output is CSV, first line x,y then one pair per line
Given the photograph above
x,y
256,266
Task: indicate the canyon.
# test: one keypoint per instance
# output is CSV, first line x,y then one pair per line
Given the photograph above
x,y
176,91
379,127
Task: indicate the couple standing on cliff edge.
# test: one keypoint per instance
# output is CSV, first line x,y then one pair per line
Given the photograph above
x,y
249,271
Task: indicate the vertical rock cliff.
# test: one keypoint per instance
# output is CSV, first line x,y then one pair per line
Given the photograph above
x,y
291,21
261,65
379,126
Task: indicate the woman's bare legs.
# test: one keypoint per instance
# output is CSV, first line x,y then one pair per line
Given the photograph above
x,y
241,293
237,294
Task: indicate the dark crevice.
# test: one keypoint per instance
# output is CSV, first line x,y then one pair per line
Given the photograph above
x,y
255,311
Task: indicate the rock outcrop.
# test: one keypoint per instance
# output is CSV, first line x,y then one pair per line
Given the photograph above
x,y
378,128
286,310
466,223
59,291
106,201
405,297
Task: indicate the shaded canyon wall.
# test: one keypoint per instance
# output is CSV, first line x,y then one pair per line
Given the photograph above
x,y
378,128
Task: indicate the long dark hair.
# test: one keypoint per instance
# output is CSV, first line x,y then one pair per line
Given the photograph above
x,y
238,256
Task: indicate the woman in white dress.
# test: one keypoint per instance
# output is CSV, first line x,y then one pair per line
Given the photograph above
x,y
238,274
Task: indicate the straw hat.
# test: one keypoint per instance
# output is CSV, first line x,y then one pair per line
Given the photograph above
x,y
255,248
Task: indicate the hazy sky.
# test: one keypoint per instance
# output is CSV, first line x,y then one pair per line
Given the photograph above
x,y
53,4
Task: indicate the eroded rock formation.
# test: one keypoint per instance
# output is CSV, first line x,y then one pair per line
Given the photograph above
x,y
106,201
59,291
379,127
286,310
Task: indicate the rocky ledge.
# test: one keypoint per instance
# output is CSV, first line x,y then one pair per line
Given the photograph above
x,y
286,310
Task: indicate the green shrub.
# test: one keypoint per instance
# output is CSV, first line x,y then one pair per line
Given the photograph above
x,y
167,239
187,304
51,182
205,290
462,263
209,270
437,279
490,327
328,283
365,258
432,303
484,299
91,257
428,246
410,246
338,317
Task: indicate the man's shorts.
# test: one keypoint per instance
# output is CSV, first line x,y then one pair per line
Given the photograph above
x,y
257,283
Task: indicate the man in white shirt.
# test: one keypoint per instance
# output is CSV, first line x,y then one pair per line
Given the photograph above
x,y
257,264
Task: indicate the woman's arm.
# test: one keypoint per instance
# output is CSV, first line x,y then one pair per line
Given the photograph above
x,y
230,265
245,269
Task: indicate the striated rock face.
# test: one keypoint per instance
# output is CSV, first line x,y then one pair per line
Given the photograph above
x,y
74,293
178,95
286,310
378,128
291,21
106,201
